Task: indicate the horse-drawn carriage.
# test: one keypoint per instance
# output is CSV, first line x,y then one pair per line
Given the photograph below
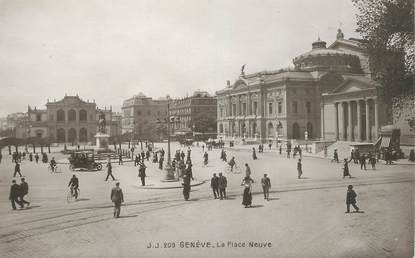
x,y
84,160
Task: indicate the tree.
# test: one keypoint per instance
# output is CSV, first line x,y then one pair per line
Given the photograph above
x,y
203,123
388,31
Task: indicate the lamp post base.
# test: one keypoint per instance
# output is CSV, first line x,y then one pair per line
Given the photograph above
x,y
169,177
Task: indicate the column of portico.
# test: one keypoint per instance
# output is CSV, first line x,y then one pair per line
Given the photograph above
x,y
367,121
336,120
350,121
238,105
359,122
249,104
376,119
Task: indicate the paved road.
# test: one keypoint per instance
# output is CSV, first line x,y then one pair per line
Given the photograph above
x,y
304,218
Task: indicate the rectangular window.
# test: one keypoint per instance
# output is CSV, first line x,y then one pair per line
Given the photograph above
x,y
255,107
233,109
244,109
295,107
308,107
270,108
279,107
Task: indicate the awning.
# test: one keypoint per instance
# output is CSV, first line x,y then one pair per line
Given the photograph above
x,y
385,142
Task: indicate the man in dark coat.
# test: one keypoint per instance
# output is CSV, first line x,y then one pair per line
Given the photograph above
x,y
37,158
266,185
186,186
17,170
351,199
142,173
222,183
362,161
214,184
24,190
117,198
14,195
109,171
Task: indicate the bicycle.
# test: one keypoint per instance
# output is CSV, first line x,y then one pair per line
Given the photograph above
x,y
55,170
235,170
73,195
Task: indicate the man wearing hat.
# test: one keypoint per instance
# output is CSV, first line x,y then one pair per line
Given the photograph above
x,y
14,195
214,185
222,183
266,185
351,199
24,190
117,198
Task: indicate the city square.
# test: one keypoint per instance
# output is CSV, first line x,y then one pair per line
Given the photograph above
x,y
208,128
303,217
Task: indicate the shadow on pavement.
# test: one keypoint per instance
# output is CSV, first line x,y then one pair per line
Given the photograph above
x,y
82,199
256,206
127,216
273,199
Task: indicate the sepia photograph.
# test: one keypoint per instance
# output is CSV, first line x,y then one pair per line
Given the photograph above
x,y
207,128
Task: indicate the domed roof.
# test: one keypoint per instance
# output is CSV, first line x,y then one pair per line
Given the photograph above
x,y
319,49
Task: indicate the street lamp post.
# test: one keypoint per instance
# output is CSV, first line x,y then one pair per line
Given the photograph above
x,y
168,168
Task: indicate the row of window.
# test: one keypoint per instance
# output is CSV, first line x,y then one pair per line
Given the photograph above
x,y
294,107
139,113
61,116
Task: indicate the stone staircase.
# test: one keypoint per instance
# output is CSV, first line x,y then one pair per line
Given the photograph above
x,y
343,149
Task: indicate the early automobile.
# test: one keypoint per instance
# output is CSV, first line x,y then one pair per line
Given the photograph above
x,y
84,160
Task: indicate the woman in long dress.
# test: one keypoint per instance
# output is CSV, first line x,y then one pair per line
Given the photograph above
x,y
247,197
346,169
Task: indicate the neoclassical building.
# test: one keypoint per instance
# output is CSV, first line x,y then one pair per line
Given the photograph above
x,y
70,119
328,95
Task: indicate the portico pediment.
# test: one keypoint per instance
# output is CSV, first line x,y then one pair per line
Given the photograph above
x,y
353,85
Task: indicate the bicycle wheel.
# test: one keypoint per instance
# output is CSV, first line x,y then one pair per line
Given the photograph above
x,y
69,197
77,194
49,169
57,169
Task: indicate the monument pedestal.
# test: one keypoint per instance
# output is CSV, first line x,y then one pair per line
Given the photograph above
x,y
102,140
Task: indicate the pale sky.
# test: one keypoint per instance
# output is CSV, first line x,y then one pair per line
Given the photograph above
x,y
112,50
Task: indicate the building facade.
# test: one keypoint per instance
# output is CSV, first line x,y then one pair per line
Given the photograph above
x,y
197,113
327,95
70,119
141,115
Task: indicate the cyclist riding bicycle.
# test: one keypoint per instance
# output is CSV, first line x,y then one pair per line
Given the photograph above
x,y
232,163
53,164
74,184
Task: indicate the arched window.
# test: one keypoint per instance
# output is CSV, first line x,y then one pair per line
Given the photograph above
x,y
60,115
271,132
83,135
296,131
310,130
72,135
71,115
60,135
82,115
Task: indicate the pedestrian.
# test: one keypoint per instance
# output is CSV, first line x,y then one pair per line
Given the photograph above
x,y
224,156
222,184
351,199
14,195
142,173
335,156
147,155
346,169
352,155
362,161
37,158
214,184
280,149
254,157
109,171
372,160
136,160
247,196
299,168
30,157
270,144
24,190
205,158
120,162
247,170
117,198
266,185
161,162
186,186
17,169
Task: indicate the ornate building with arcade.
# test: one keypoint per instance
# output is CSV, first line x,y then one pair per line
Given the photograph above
x,y
70,119
328,95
